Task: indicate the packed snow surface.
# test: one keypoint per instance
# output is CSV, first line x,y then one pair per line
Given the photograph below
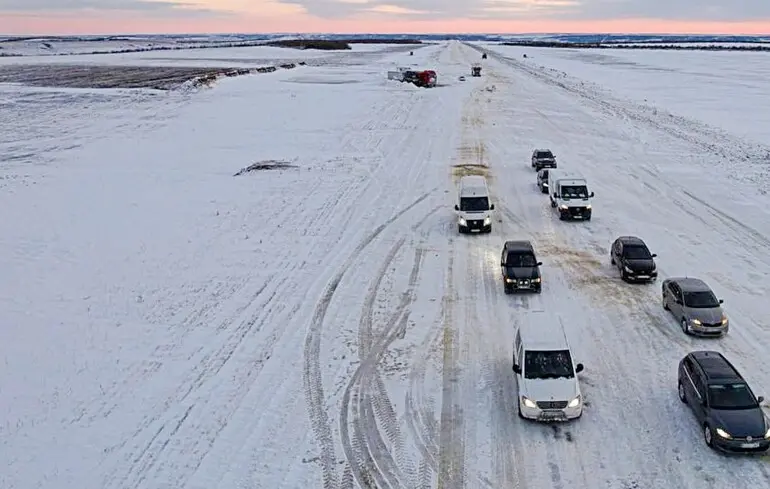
x,y
316,321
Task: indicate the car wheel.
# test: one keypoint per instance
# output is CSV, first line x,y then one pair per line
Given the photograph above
x,y
685,327
521,415
707,436
506,289
623,276
612,260
680,389
664,303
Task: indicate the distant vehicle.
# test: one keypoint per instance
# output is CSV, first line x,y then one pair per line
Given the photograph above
x,y
570,196
548,386
633,259
543,158
542,180
520,268
722,401
462,78
476,70
473,205
692,302
423,78
484,56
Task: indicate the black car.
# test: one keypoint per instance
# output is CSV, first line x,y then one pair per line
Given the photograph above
x,y
543,158
521,270
542,180
724,405
633,259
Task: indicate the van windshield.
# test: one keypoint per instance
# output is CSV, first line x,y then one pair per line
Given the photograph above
x,y
474,204
574,192
548,364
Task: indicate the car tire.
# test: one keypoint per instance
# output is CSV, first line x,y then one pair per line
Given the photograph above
x,y
612,260
685,327
521,415
664,303
460,229
506,289
708,436
680,391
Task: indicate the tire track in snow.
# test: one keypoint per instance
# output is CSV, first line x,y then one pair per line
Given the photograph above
x,y
312,375
374,463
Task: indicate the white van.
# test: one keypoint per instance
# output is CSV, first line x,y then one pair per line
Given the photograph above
x,y
473,207
548,386
570,196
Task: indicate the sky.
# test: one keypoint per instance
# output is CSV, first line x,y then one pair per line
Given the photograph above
x,y
67,17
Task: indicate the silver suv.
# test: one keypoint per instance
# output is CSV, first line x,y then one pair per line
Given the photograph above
x,y
695,306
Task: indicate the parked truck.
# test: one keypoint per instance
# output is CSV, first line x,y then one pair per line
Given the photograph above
x,y
420,78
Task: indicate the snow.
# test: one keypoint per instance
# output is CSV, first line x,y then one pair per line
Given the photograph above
x,y
167,324
717,88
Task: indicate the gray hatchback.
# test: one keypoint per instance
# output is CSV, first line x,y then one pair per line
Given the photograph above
x,y
695,306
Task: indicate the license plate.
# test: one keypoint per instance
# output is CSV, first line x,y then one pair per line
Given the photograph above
x,y
642,276
750,445
552,415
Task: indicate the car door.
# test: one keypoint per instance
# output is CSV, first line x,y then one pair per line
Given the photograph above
x,y
618,255
502,262
675,303
700,401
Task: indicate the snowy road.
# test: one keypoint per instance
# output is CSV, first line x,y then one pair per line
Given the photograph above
x,y
168,325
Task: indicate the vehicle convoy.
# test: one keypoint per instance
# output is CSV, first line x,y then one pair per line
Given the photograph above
x,y
542,180
476,70
723,403
543,158
520,268
473,205
548,386
692,302
570,196
632,258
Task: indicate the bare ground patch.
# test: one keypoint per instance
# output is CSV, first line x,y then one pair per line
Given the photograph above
x,y
265,165
94,76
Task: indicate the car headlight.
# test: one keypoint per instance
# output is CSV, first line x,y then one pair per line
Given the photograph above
x,y
563,207
574,403
487,220
462,222
588,207
537,280
695,322
627,269
767,434
724,320
528,402
723,433
510,280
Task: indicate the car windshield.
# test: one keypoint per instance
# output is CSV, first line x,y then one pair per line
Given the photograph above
x,y
574,192
544,154
636,253
701,299
520,260
471,204
554,364
731,396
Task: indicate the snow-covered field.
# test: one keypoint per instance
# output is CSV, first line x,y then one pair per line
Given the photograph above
x,y
717,88
167,324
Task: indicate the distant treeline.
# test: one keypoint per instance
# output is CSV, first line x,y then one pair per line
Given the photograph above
x,y
336,44
619,45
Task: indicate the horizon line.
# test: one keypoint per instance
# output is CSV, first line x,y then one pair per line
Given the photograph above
x,y
385,34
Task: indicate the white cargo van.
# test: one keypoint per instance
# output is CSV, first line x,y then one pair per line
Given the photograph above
x,y
548,386
570,196
473,207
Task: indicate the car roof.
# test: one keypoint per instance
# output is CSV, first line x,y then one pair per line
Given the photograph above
x,y
520,245
716,367
631,240
545,334
542,150
691,284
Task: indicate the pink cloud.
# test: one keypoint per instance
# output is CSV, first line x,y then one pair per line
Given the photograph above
x,y
135,23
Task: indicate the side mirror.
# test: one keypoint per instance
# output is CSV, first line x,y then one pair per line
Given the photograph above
x,y
721,301
492,207
760,399
457,207
579,368
502,263
654,255
592,194
517,368
539,263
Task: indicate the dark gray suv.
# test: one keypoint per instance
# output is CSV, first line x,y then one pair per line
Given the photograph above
x,y
722,401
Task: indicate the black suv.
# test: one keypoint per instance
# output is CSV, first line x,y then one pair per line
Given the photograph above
x,y
543,158
633,259
521,270
724,405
